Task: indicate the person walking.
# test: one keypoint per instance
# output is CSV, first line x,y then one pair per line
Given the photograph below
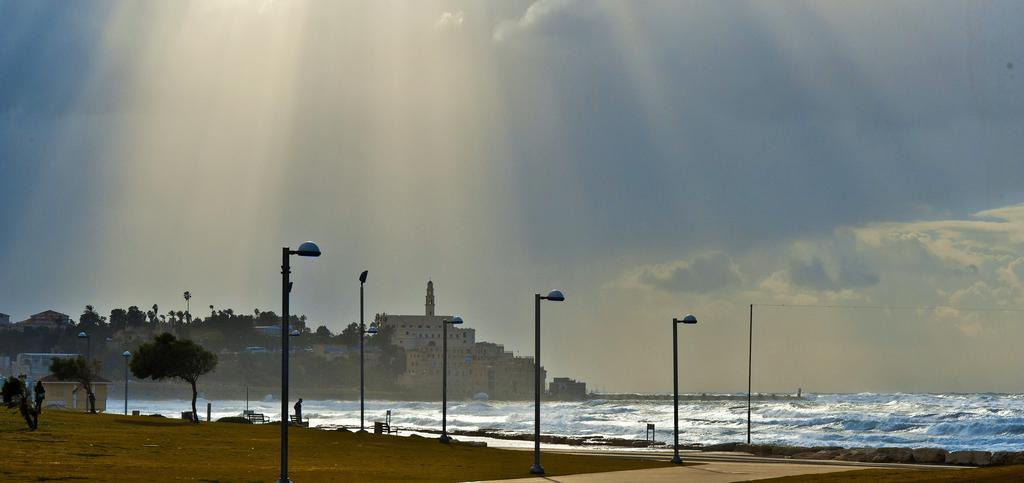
x,y
298,411
40,393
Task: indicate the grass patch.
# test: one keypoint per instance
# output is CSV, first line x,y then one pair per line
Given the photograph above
x,y
66,443
996,474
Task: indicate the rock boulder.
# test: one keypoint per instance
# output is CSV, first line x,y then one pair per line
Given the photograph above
x,y
969,458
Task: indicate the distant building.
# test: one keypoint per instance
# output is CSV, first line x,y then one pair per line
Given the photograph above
x,y
473,367
35,365
49,319
268,330
5,319
417,331
566,389
72,394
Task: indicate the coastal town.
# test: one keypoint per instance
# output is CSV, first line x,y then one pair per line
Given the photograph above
x,y
573,241
408,352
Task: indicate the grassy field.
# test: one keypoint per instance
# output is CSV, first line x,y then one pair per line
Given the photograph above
x,y
77,446
996,474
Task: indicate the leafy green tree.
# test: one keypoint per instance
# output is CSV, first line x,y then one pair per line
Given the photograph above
x,y
136,317
168,357
80,370
349,336
392,357
119,319
15,395
90,318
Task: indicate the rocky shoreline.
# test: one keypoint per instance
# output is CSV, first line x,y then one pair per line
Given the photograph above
x,y
934,456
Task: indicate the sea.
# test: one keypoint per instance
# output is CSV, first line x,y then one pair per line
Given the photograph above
x,y
993,422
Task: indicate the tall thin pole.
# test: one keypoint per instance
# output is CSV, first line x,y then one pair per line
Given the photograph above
x,y
444,382
285,288
125,386
537,469
675,392
362,335
750,365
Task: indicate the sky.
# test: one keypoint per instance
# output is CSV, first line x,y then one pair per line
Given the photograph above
x,y
649,159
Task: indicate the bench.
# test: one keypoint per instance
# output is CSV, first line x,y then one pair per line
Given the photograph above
x,y
255,417
297,421
384,427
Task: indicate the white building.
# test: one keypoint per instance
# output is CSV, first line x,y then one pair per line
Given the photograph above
x,y
473,367
36,365
413,332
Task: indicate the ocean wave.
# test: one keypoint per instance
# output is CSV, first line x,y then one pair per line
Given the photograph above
x,y
952,421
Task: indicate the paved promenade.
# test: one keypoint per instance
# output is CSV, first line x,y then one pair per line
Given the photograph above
x,y
711,472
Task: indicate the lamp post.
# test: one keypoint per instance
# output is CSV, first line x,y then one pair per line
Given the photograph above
x,y
687,319
126,355
307,249
362,332
88,345
455,320
750,366
554,296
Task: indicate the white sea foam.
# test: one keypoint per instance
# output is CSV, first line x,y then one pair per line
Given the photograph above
x,y
951,421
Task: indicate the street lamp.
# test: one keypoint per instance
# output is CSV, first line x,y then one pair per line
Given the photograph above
x,y
88,345
362,332
554,296
687,319
126,355
455,320
308,249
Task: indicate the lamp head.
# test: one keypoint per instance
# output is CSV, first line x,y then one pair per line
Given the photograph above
x,y
688,319
555,296
295,333
82,335
362,276
308,249
372,330
126,354
454,320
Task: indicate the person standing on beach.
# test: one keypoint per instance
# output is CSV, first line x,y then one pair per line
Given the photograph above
x,y
40,392
298,410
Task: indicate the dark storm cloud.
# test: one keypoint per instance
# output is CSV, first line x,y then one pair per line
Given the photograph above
x,y
778,120
705,273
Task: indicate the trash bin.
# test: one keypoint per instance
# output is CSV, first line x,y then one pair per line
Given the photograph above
x,y
135,412
378,427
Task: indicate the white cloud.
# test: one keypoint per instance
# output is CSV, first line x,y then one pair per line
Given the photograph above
x,y
959,262
450,20
535,14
